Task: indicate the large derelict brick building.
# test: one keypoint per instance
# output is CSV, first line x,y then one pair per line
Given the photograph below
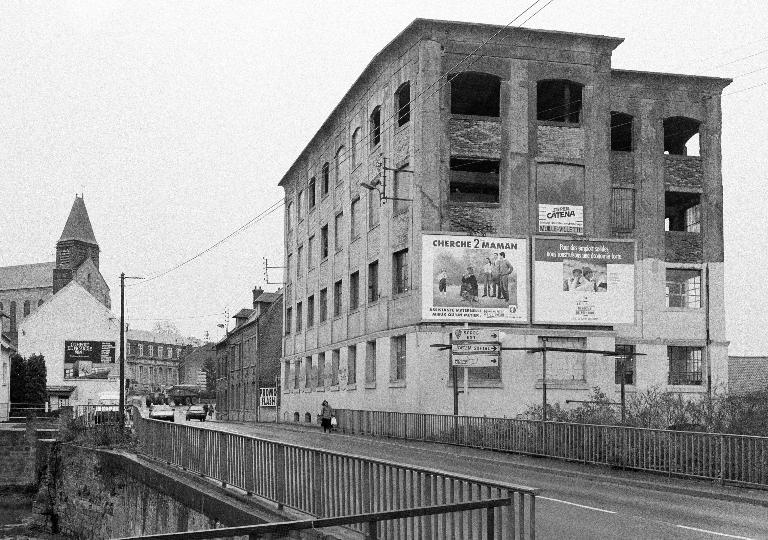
x,y
529,188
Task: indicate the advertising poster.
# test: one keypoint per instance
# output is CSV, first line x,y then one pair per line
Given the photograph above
x,y
561,218
93,351
474,278
584,281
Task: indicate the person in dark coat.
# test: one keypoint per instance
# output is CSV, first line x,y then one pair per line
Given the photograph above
x,y
325,417
469,285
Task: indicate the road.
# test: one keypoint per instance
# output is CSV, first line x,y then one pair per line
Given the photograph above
x,y
575,501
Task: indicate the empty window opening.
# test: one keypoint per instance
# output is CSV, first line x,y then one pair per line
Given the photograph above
x,y
311,193
621,132
325,175
403,103
474,180
681,136
682,212
376,126
558,100
476,94
683,288
355,143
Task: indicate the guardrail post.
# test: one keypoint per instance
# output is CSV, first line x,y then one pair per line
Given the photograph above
x,y
223,461
280,476
722,459
489,523
372,532
317,483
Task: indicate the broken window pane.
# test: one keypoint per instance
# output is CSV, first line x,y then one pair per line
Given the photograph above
x,y
475,94
558,100
474,180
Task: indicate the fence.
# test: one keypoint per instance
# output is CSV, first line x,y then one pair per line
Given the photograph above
x,y
94,424
327,484
738,459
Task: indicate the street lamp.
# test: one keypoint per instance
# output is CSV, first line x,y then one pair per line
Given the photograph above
x,y
121,402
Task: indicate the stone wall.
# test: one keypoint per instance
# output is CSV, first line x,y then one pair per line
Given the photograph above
x,y
18,451
683,247
475,138
560,141
473,218
683,171
622,168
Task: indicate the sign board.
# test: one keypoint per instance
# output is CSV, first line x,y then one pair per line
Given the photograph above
x,y
584,281
475,334
475,360
474,278
268,397
476,348
561,218
93,351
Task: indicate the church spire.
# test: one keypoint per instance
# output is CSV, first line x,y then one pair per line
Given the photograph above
x,y
78,226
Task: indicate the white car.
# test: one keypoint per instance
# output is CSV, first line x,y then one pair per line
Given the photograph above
x,y
161,412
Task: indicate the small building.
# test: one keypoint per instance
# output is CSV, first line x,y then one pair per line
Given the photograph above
x,y
79,337
152,360
6,349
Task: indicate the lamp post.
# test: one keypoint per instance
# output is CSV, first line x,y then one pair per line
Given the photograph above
x,y
121,401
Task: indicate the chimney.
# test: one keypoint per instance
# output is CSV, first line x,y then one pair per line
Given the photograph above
x,y
257,291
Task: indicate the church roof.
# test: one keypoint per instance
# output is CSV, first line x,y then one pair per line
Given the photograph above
x,y
27,276
78,225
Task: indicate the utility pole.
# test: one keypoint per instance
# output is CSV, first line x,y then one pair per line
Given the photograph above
x,y
121,401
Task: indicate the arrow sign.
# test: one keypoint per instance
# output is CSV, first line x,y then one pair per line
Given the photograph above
x,y
475,334
477,348
475,360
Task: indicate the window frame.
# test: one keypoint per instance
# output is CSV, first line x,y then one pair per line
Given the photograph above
x,y
686,294
400,272
374,292
403,110
399,358
354,290
338,288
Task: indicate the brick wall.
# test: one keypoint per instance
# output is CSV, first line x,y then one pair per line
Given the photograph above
x,y
683,171
473,219
560,141
683,247
622,166
17,455
475,138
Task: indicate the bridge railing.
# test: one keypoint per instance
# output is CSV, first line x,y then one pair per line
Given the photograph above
x,y
331,484
738,459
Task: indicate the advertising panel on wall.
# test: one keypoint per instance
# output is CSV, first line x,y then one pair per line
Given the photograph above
x,y
92,351
474,278
584,281
561,218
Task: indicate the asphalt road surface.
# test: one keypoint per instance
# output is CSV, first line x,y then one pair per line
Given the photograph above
x,y
575,501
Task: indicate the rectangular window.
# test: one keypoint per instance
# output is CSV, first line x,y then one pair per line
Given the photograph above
x,y
626,360
323,304
354,290
337,298
299,316
397,368
373,282
338,232
299,257
321,369
565,366
289,216
287,375
401,190
335,367
683,288
323,242
289,268
352,364
622,210
682,211
297,374
474,180
374,202
311,252
311,194
300,205
141,349
400,272
354,219
370,362
151,350
684,365
325,177
308,372
311,311
288,320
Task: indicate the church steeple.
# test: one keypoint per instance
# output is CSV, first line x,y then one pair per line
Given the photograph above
x,y
76,244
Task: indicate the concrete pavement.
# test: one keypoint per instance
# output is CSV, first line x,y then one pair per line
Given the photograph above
x,y
576,501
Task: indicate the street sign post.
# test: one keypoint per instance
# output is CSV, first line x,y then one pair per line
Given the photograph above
x,y
475,334
475,360
476,348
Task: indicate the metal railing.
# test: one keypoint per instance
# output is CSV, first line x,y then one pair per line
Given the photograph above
x,y
738,459
369,521
331,484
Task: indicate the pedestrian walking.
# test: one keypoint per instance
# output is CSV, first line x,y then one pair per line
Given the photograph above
x,y
325,417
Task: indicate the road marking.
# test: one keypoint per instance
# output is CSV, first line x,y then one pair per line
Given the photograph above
x,y
713,532
580,505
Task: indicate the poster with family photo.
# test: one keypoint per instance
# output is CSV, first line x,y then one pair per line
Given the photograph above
x,y
468,278
583,281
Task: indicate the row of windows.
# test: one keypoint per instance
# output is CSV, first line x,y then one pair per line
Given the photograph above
x,y
316,374
400,285
155,375
157,351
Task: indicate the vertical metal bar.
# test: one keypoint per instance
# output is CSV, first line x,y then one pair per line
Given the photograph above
x,y
490,526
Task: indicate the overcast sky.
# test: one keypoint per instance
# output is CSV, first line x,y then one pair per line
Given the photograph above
x,y
177,120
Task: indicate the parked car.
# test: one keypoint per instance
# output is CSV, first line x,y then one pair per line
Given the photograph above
x,y
161,412
196,412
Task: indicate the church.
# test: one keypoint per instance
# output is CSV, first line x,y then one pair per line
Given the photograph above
x,y
24,288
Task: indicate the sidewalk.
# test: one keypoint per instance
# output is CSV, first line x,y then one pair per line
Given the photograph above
x,y
488,463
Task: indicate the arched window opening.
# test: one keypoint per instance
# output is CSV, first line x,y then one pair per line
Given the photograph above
x,y
26,308
296,416
326,178
681,136
308,418
621,132
338,161
12,315
476,94
558,100
375,127
355,143
403,103
311,193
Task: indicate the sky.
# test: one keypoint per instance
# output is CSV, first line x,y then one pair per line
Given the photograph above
x,y
178,119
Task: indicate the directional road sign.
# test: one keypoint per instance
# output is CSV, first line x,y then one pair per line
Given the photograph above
x,y
476,347
475,360
475,334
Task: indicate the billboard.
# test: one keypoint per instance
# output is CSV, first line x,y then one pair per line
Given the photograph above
x,y
561,218
93,351
474,278
584,281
